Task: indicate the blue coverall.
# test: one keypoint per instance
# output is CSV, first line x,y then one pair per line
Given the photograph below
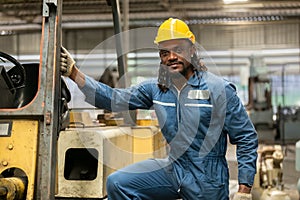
x,y
196,122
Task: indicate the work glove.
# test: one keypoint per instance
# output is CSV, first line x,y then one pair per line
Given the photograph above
x,y
66,62
242,196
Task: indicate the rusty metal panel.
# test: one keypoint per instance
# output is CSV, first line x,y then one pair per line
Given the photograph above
x,y
50,75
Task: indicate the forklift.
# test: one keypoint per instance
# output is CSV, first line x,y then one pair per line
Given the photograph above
x,y
44,153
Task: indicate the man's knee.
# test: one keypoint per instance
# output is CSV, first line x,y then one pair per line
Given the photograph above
x,y
112,181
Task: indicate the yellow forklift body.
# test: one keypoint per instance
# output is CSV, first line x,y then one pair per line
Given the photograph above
x,y
19,150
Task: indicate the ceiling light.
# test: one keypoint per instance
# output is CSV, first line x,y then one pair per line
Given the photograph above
x,y
234,1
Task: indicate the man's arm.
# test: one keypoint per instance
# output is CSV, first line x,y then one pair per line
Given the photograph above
x,y
102,95
77,76
242,133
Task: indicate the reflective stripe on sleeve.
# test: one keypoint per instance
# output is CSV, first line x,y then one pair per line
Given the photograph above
x,y
164,103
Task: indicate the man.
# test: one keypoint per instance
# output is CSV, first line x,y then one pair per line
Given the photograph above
x,y
197,112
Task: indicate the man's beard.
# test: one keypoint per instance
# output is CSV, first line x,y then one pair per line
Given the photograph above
x,y
182,73
176,75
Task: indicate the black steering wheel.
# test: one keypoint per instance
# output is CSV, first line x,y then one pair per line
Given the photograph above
x,y
17,74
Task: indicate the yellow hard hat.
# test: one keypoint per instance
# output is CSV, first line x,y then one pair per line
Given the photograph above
x,y
173,29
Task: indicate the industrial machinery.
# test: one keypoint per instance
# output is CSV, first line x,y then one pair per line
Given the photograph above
x,y
48,151
274,124
275,127
87,155
259,106
268,183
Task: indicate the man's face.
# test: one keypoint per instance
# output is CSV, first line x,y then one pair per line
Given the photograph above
x,y
176,55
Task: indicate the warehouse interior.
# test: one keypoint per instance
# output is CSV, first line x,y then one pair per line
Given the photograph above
x,y
253,43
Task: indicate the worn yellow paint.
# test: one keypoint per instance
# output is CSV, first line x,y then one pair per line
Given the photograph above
x,y
19,150
148,142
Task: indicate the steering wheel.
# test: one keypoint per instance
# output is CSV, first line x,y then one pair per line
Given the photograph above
x,y
17,74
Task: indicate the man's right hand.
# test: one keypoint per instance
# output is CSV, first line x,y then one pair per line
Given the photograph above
x,y
66,62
